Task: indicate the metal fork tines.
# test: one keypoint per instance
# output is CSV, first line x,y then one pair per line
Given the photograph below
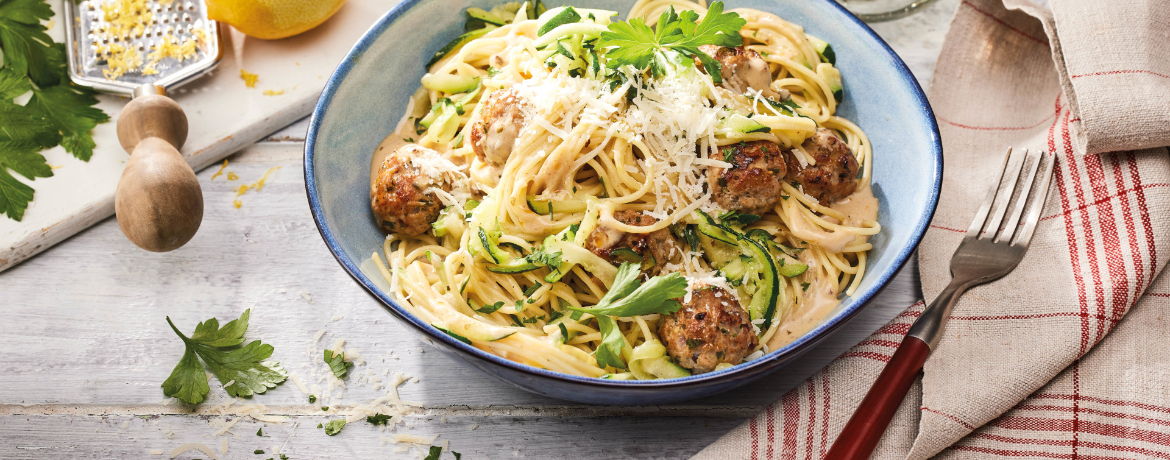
x,y
993,247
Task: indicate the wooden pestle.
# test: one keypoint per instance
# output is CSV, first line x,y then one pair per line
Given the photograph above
x,y
158,203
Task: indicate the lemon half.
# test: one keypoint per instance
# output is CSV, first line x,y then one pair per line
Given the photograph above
x,y
272,19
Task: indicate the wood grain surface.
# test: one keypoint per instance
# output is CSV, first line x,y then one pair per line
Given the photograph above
x,y
85,344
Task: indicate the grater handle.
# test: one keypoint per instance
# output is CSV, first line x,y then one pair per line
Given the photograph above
x,y
158,203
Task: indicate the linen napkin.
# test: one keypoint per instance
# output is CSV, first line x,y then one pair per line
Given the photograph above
x,y
1065,357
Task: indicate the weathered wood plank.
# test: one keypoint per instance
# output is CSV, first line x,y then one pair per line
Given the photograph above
x,y
43,437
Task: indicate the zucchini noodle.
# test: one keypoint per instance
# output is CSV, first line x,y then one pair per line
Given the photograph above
x,y
595,145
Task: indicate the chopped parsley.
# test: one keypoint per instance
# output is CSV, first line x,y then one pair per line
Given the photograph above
x,y
377,419
260,432
258,452
486,309
337,363
244,367
729,155
804,286
333,427
312,399
532,289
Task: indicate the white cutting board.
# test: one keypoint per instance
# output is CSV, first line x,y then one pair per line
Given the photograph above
x,y
224,116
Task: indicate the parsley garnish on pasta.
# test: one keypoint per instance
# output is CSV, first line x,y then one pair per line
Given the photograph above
x,y
675,40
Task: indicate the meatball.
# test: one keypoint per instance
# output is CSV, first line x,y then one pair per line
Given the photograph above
x,y
834,176
501,119
709,329
752,184
398,196
741,69
656,248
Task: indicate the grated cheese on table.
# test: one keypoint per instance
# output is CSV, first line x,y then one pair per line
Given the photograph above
x,y
194,446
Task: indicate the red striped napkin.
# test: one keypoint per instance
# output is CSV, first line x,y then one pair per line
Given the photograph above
x,y
1067,356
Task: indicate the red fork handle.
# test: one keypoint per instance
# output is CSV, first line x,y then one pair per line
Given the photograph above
x,y
869,422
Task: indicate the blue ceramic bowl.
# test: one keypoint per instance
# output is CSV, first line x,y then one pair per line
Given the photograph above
x,y
368,92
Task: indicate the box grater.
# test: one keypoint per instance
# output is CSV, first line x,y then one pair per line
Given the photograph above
x,y
91,37
141,48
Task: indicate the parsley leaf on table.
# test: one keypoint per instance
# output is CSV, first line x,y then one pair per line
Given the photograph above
x,y
337,363
224,355
333,427
629,296
377,419
59,112
674,40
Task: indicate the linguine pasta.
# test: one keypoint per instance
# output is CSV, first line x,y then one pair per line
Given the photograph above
x,y
600,141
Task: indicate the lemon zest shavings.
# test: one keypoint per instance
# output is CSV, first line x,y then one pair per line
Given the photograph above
x,y
249,78
220,171
269,92
257,186
232,176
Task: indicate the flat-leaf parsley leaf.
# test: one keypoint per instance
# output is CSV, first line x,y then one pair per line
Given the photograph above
x,y
674,41
333,427
59,112
629,296
242,367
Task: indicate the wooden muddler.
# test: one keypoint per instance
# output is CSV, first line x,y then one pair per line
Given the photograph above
x,y
158,202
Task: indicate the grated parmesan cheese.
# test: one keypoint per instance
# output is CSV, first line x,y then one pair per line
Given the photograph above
x,y
415,439
194,446
296,380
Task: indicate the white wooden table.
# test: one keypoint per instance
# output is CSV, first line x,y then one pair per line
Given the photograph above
x,y
84,344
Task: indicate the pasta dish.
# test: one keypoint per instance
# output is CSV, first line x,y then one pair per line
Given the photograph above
x,y
652,198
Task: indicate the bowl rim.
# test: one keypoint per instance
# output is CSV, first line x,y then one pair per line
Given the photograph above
x,y
748,369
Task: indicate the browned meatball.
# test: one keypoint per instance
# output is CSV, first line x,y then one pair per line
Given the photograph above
x,y
656,248
710,329
502,118
741,69
397,196
752,184
834,177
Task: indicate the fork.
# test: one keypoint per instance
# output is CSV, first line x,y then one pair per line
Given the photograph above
x,y
987,252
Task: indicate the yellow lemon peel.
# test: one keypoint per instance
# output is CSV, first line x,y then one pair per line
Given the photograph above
x,y
220,171
249,78
257,186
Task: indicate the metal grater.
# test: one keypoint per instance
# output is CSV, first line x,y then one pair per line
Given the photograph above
x,y
89,39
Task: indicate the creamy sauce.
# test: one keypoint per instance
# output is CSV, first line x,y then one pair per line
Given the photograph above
x,y
858,207
820,300
817,303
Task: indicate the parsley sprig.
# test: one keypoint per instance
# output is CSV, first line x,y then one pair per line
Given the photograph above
x,y
629,296
674,41
221,351
59,112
